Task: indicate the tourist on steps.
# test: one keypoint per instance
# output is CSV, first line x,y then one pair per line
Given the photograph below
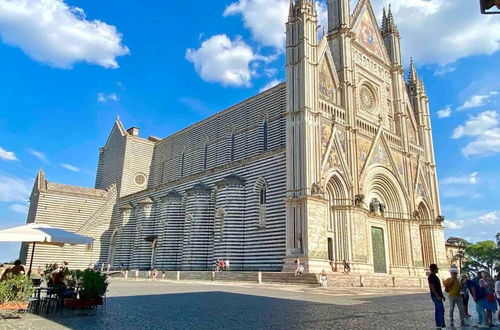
x,y
479,296
452,285
436,296
323,278
297,266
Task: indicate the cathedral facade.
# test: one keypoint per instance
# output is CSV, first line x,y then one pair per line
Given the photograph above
x,y
337,163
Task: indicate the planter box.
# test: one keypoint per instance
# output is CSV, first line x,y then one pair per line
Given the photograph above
x,y
13,306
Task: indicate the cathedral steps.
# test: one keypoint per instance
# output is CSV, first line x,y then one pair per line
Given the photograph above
x,y
335,280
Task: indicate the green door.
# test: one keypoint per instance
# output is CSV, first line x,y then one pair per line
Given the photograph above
x,y
379,262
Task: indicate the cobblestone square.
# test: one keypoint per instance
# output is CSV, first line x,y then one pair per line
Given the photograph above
x,y
195,305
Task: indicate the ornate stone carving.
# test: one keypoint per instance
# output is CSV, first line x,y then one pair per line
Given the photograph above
x,y
317,189
375,206
440,219
367,99
359,200
416,215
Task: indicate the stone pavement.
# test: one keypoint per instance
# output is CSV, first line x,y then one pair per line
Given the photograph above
x,y
146,304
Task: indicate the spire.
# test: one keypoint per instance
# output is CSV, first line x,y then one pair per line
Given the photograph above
x,y
384,19
338,14
422,87
412,74
388,24
290,10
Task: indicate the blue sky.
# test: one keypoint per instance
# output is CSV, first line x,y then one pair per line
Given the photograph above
x,y
70,67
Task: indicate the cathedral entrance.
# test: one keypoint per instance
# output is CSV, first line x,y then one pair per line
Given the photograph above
x,y
379,260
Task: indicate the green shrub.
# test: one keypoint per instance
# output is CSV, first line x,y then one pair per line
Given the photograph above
x,y
16,289
93,284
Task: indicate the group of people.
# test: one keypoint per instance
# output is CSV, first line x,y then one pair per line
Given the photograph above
x,y
221,265
17,269
483,288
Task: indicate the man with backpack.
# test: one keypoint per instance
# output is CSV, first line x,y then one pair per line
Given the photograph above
x,y
453,286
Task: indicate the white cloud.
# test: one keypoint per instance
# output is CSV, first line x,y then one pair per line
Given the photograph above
x,y
7,155
270,85
19,208
444,69
450,30
70,167
102,98
40,155
477,125
445,112
14,189
459,224
490,218
485,129
465,179
222,60
266,19
477,101
52,32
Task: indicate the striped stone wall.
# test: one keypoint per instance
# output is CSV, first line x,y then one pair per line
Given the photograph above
x,y
81,210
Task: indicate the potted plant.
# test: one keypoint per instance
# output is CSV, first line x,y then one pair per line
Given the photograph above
x,y
15,292
92,286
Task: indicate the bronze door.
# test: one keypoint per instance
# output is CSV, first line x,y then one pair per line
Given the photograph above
x,y
379,261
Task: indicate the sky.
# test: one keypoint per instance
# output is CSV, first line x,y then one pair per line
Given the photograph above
x,y
70,67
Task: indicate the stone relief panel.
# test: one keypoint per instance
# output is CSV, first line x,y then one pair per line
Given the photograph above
x,y
359,239
414,167
417,246
373,67
326,85
316,228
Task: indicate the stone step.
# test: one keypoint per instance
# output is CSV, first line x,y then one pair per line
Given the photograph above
x,y
290,278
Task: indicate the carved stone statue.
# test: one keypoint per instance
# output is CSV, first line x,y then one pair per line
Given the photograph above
x,y
382,208
317,190
359,200
375,206
440,219
416,215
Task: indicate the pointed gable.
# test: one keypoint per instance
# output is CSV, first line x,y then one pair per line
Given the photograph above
x,y
367,32
328,80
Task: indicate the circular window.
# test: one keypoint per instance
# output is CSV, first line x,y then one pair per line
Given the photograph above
x,y
140,179
367,98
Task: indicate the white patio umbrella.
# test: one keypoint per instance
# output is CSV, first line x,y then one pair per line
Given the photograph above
x,y
42,234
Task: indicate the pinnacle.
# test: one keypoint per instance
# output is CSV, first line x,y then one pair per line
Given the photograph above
x,y
412,75
388,24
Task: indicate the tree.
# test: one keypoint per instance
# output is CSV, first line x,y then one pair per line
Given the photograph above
x,y
482,255
460,256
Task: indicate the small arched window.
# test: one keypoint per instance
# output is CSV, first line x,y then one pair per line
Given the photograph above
x,y
233,141
262,195
261,191
265,132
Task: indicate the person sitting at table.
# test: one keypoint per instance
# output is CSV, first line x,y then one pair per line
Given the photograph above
x,y
18,269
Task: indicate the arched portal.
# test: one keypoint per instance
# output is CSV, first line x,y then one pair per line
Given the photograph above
x,y
338,243
112,246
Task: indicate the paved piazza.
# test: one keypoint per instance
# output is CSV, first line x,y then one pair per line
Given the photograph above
x,y
188,305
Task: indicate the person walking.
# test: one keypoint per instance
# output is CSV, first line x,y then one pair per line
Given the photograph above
x,y
227,264
452,286
497,293
490,304
323,279
464,292
297,266
478,296
436,296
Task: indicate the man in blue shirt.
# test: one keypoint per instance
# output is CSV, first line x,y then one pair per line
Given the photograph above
x,y
478,295
437,296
